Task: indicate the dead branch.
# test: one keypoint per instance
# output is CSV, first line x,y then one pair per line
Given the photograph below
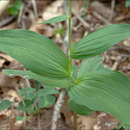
x,y
101,18
112,9
57,107
7,21
84,23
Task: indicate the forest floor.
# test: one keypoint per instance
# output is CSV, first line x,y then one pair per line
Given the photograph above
x,y
87,18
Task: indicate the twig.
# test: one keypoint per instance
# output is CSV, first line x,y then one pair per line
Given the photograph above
x,y
35,8
117,62
39,122
101,17
121,18
84,23
56,113
121,48
75,121
21,17
112,9
27,81
20,14
7,21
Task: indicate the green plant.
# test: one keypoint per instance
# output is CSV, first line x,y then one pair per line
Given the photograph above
x,y
127,3
15,7
34,100
59,31
91,88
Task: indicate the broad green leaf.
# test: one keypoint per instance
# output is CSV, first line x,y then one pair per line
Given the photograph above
x,y
21,106
79,109
27,90
92,65
4,104
28,106
13,11
61,83
24,74
28,93
127,3
108,92
99,41
46,101
36,52
45,92
56,19
50,89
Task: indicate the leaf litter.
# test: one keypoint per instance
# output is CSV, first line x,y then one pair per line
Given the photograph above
x,y
117,58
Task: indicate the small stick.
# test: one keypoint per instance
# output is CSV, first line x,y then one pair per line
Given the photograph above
x,y
57,107
117,62
75,121
112,9
20,14
27,81
121,18
84,23
39,122
7,21
101,18
35,8
121,48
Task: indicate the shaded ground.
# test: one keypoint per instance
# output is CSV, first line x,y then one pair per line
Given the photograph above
x,y
86,19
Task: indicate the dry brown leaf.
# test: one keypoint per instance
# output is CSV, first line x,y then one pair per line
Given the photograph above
x,y
37,27
101,9
53,10
105,122
8,82
86,122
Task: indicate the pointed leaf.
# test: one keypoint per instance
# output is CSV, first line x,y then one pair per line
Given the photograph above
x,y
92,65
36,52
109,92
5,104
99,41
46,101
79,109
45,92
28,93
56,19
61,83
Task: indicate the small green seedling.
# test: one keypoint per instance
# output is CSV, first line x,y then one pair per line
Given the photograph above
x,y
5,104
59,31
34,100
91,88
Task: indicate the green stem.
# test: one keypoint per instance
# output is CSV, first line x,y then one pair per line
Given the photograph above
x,y
70,47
